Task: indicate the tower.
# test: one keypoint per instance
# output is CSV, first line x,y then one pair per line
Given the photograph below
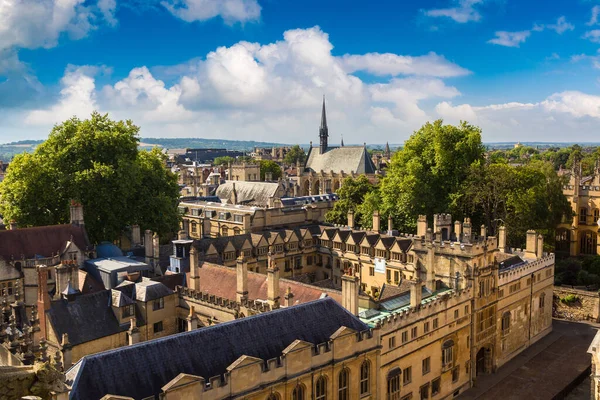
x,y
323,131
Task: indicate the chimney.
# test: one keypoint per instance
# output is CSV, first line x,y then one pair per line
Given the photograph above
x,y
62,280
350,292
483,232
241,268
192,320
416,293
502,239
272,283
376,221
431,267
421,225
182,235
133,334
268,176
467,230
136,237
76,213
457,230
43,303
13,225
390,225
530,249
148,245
66,349
350,219
289,297
234,196
540,246
194,278
155,247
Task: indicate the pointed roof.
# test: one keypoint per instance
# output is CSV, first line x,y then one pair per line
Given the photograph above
x,y
323,115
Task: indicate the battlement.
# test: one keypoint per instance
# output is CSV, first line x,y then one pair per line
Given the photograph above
x,y
477,246
521,270
442,219
220,302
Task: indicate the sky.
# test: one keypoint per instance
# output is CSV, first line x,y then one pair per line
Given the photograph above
x,y
521,70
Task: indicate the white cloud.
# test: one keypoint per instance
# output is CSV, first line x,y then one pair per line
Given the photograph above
x,y
231,11
510,39
393,64
464,11
594,18
108,8
561,26
593,35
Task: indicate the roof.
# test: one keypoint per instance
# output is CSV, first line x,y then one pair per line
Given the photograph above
x,y
88,317
338,159
87,284
510,262
40,241
170,280
119,299
151,290
8,272
222,282
205,352
403,300
121,263
252,193
108,250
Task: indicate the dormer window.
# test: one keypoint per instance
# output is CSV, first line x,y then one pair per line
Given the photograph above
x,y
128,311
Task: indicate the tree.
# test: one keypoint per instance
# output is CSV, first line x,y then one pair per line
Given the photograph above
x,y
97,163
427,174
223,160
352,195
294,155
269,166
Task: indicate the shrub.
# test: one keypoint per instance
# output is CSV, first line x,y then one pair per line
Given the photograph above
x,y
570,299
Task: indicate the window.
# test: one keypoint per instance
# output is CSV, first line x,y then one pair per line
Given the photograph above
x,y
223,215
365,375
413,333
455,372
388,275
407,375
582,215
274,396
447,352
466,310
236,231
424,391
435,323
404,336
542,300
343,385
455,314
9,288
396,276
298,393
371,271
392,342
506,323
321,389
435,386
238,218
393,384
158,327
129,310
411,258
426,365
426,327
194,227
224,231
158,304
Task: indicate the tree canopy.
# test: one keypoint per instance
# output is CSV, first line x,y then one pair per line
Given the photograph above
x,y
269,166
294,155
97,163
352,195
223,160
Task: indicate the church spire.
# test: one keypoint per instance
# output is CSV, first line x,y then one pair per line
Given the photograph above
x,y
387,152
323,131
342,140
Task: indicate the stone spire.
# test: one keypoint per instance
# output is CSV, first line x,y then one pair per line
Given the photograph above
x,y
323,130
342,141
387,153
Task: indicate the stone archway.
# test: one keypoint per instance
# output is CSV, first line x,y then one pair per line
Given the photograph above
x,y
336,186
587,242
483,361
306,188
316,186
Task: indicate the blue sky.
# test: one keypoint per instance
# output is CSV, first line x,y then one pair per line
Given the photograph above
x,y
257,69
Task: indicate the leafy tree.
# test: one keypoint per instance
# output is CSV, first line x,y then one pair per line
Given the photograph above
x,y
245,159
294,155
97,163
223,160
352,195
427,174
269,166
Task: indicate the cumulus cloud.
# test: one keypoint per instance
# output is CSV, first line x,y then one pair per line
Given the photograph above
x,y
394,64
593,35
561,26
464,11
594,18
231,11
510,39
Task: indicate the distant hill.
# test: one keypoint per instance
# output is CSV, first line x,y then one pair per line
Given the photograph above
x,y
185,143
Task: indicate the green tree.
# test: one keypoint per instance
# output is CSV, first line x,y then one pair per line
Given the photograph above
x,y
97,163
351,195
269,166
427,174
294,155
223,160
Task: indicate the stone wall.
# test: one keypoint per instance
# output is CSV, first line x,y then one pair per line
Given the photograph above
x,y
587,308
41,379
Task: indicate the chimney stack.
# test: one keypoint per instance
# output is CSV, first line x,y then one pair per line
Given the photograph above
x,y
502,239
483,232
376,221
350,292
421,225
136,237
242,280
540,246
148,252
76,213
390,225
458,230
272,283
530,249
62,279
66,349
182,235
194,278
467,230
351,219
43,303
431,267
268,176
192,320
133,333
289,297
416,293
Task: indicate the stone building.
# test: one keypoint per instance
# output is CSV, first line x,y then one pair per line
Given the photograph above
x,y
327,166
244,172
276,154
578,235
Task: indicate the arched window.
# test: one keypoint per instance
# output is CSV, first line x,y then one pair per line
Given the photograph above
x,y
505,323
447,352
393,384
365,376
274,396
236,231
542,300
321,389
298,393
343,379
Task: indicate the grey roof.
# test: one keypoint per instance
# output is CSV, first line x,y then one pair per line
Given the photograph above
x,y
120,299
338,159
252,193
119,264
403,300
205,352
511,262
88,317
151,290
7,272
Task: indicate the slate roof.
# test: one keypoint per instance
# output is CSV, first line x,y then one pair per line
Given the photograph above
x,y
249,193
222,282
8,272
87,284
170,280
338,159
150,290
41,241
205,352
86,318
510,262
119,299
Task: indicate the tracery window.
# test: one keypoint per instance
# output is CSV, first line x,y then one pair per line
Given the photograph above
x,y
343,384
393,384
321,389
365,376
447,352
298,393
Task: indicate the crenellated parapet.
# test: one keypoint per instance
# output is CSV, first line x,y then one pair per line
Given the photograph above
x,y
476,247
227,305
527,268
